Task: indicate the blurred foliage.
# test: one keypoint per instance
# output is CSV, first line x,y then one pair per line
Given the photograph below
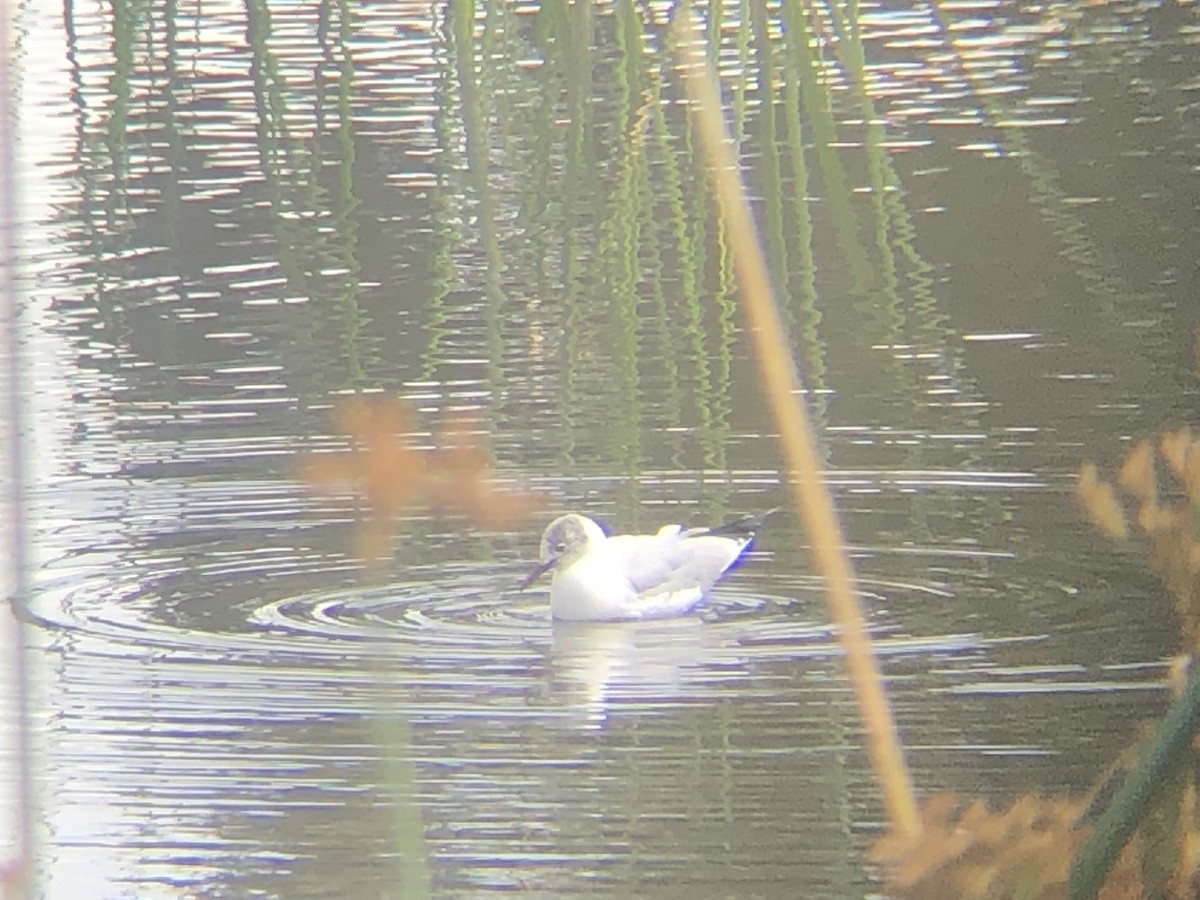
x,y
1043,848
1138,833
1156,497
1169,520
1024,851
391,475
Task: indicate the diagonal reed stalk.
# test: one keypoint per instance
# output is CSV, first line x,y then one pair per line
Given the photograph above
x,y
809,493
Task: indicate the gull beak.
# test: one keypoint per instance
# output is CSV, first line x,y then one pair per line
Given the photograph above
x,y
535,573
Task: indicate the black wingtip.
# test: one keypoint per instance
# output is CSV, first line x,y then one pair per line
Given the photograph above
x,y
746,524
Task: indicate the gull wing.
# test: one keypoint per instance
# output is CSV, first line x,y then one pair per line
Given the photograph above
x,y
671,571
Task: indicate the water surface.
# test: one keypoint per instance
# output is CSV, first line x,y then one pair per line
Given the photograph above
x,y
981,221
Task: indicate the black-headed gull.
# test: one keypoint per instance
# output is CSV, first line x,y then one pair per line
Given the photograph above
x,y
634,576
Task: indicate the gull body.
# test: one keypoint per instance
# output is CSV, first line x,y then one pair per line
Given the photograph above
x,y
628,576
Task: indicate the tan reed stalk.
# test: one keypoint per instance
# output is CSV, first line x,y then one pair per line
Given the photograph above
x,y
809,493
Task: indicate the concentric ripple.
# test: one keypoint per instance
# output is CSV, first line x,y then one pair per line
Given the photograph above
x,y
449,611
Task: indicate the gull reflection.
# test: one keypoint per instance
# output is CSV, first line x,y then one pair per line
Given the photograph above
x,y
594,665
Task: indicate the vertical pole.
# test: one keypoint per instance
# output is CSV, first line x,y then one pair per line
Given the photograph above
x,y
16,873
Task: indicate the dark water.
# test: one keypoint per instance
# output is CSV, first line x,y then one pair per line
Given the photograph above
x,y
982,223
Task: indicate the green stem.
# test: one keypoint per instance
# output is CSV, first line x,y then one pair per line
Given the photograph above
x,y
1132,800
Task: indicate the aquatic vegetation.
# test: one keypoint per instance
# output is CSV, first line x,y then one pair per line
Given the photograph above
x,y
1029,849
1038,847
1134,835
391,475
780,384
1168,520
972,852
1137,834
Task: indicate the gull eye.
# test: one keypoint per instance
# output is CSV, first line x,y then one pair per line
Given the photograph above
x,y
560,547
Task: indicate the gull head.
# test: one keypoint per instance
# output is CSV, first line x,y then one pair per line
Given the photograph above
x,y
565,540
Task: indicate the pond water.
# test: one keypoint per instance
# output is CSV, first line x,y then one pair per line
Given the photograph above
x,y
981,219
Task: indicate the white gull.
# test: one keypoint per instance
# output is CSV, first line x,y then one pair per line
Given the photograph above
x,y
634,576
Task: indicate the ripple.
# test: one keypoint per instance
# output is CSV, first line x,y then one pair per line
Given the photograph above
x,y
459,609
460,612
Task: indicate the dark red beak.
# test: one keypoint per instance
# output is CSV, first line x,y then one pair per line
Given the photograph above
x,y
535,573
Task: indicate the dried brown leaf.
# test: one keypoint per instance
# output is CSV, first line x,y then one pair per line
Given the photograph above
x,y
1159,520
464,482
1191,474
1022,851
1174,446
1100,502
391,475
1137,472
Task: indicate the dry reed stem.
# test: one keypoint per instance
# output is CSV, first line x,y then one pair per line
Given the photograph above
x,y
1137,473
810,495
1100,502
1174,446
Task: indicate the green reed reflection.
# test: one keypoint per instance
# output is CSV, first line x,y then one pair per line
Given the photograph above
x,y
343,199
802,283
125,28
315,228
770,181
412,876
898,316
646,265
573,224
817,105
477,101
442,202
739,79
686,227
1046,191
618,251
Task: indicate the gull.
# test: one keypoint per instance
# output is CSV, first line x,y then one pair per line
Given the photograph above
x,y
634,576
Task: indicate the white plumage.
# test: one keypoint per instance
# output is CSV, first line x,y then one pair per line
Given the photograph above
x,y
644,576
